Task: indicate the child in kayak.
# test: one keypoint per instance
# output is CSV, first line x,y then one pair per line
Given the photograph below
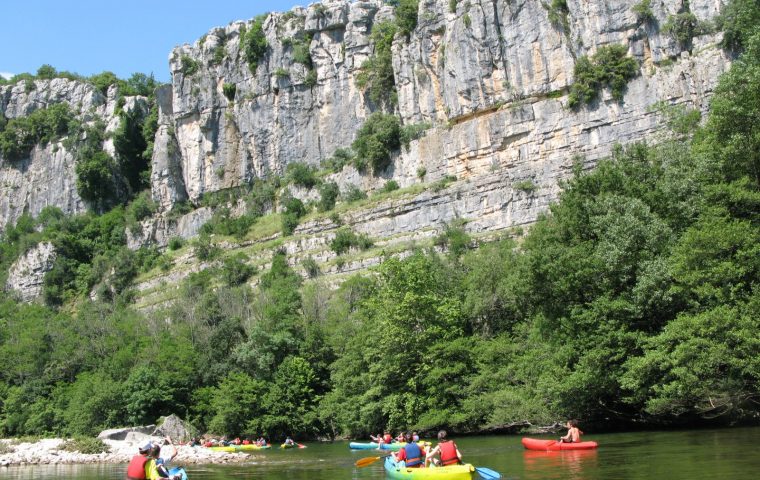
x,y
447,451
412,454
386,438
573,433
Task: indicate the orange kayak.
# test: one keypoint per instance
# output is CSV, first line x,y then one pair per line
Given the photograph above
x,y
553,445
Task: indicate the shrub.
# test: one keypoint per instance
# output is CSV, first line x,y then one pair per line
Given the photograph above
x,y
406,16
421,172
219,53
377,71
294,210
453,6
302,53
255,43
229,90
204,249
682,28
738,20
175,243
86,445
188,65
454,239
390,186
340,158
354,194
413,132
609,67
346,239
281,73
525,185
311,78
302,174
328,195
558,13
42,126
236,270
377,139
643,11
310,267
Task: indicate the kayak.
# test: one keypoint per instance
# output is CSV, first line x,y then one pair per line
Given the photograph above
x,y
292,445
553,445
178,471
453,472
394,447
238,448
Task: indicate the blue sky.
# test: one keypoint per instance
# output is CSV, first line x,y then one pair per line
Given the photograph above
x,y
90,36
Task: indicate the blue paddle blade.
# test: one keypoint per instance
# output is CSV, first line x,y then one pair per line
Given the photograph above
x,y
487,473
178,470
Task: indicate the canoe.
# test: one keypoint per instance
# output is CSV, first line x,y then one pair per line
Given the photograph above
x,y
453,472
178,471
393,447
238,448
553,445
292,445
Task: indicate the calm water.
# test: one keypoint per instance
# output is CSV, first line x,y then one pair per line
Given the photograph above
x,y
695,455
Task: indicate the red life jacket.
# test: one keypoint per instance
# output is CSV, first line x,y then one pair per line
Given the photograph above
x,y
136,468
387,438
448,453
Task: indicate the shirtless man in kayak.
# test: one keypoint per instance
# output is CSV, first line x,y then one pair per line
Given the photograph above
x,y
573,433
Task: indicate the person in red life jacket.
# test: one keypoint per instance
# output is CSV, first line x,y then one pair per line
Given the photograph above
x,y
401,437
412,454
387,438
447,451
136,468
573,433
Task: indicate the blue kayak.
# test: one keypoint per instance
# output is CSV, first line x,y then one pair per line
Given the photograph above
x,y
178,471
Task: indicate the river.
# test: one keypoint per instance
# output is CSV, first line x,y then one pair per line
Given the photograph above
x,y
683,455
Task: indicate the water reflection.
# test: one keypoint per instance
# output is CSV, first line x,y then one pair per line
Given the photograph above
x,y
567,464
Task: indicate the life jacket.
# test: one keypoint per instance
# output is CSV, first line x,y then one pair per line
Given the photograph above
x,y
413,455
136,468
387,438
448,453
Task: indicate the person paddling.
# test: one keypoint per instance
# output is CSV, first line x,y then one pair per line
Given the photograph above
x,y
447,451
136,468
411,453
573,433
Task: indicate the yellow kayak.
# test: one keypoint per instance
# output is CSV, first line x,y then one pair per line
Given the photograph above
x,y
452,472
238,448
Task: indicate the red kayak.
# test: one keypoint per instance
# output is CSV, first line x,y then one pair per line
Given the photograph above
x,y
553,445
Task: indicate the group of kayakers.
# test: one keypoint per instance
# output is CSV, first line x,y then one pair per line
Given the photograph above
x,y
224,442
416,455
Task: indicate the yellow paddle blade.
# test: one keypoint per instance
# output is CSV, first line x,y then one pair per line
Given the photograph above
x,y
363,462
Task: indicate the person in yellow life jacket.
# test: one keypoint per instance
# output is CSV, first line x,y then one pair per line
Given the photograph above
x,y
446,450
137,466
155,469
412,454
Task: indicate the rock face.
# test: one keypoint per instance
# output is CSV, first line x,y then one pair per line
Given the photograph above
x,y
457,68
47,177
27,273
173,427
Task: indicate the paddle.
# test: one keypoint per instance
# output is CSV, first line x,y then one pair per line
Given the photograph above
x,y
487,473
301,445
363,462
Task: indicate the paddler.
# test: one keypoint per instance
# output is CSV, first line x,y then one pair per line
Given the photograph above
x,y
411,453
447,451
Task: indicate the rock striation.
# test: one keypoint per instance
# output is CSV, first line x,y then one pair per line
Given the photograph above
x,y
26,275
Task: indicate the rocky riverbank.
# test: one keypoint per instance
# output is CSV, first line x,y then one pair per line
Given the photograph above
x,y
49,452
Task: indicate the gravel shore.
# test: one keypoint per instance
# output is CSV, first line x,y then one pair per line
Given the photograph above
x,y
47,452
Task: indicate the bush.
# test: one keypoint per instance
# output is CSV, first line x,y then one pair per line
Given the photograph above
x,y
377,139
609,67
229,90
643,11
204,249
454,239
42,126
294,210
558,13
346,239
175,243
340,158
377,71
738,20
310,267
526,186
682,28
390,186
413,132
236,270
255,43
328,195
302,174
86,445
354,194
406,16
188,65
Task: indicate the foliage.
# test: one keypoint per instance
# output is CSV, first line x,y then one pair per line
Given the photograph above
x,y
526,186
188,65
354,194
255,43
377,71
301,174
390,186
294,209
413,132
346,239
682,27
608,67
455,239
310,266
236,270
377,139
85,445
42,126
738,20
229,90
328,195
558,13
643,11
340,158
406,16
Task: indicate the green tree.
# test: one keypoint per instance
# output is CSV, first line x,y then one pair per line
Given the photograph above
x,y
377,139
